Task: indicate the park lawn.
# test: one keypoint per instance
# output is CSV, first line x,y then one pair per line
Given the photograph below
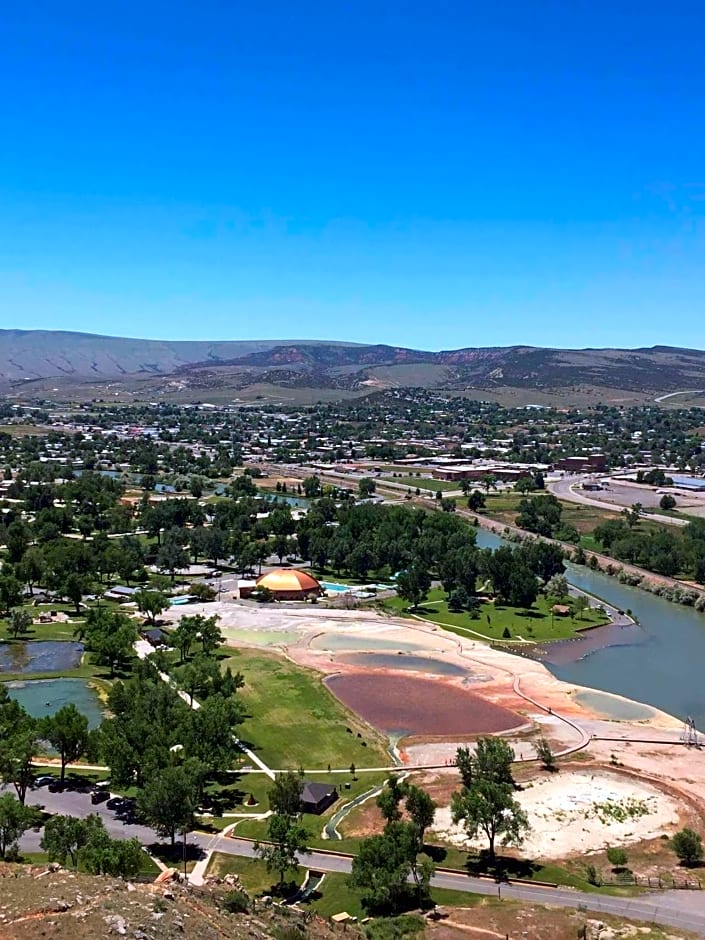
x,y
504,507
423,483
253,874
294,721
536,624
312,823
334,896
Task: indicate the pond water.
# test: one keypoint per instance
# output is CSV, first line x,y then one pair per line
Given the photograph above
x,y
39,656
42,697
358,641
299,501
423,664
664,667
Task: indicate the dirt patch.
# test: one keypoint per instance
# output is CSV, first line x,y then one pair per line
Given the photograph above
x,y
492,919
410,705
581,811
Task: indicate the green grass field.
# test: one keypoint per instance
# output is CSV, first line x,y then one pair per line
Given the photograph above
x,y
536,624
293,720
423,483
253,874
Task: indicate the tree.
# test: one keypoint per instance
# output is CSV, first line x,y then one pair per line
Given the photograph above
x,y
185,634
688,846
617,858
201,591
20,621
557,586
172,555
384,865
389,799
15,819
287,839
366,487
168,801
667,501
421,809
151,603
490,807
312,487
18,746
73,588
580,605
476,501
285,795
486,802
110,635
10,592
413,584
67,732
87,844
62,838
545,753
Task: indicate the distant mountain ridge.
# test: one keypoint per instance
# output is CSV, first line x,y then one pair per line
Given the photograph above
x,y
36,355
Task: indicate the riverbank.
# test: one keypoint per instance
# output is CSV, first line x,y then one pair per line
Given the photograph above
x,y
686,593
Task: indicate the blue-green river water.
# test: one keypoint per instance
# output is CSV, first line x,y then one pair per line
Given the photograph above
x,y
663,666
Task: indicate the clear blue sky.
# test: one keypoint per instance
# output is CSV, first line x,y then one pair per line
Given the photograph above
x,y
433,174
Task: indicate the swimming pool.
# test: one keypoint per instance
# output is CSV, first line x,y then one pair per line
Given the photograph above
x,y
335,588
178,601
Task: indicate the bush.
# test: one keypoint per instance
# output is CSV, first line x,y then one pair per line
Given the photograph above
x,y
507,633
617,858
236,902
688,846
592,876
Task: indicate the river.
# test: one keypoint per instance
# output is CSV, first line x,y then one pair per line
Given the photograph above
x,y
665,665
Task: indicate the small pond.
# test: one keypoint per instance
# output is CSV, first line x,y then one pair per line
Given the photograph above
x,y
42,697
361,642
415,663
39,656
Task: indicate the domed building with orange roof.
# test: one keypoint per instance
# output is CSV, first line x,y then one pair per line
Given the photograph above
x,y
287,584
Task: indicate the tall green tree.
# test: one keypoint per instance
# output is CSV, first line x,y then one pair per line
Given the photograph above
x,y
168,801
15,820
286,841
67,732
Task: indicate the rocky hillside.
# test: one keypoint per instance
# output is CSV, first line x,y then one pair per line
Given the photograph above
x,y
158,367
65,905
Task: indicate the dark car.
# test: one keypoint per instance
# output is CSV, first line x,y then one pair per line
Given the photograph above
x,y
116,803
58,786
43,781
99,796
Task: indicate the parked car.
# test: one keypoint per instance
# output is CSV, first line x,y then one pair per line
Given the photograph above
x,y
43,781
99,796
115,803
58,786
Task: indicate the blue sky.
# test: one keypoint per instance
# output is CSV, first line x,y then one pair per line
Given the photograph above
x,y
435,174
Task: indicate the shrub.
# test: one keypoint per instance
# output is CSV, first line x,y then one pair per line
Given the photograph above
x,y
236,902
592,876
688,846
617,857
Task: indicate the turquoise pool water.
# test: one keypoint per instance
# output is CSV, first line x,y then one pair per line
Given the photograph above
x,y
179,601
43,697
336,588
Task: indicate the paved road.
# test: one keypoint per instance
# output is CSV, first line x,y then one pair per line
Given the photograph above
x,y
565,489
684,910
